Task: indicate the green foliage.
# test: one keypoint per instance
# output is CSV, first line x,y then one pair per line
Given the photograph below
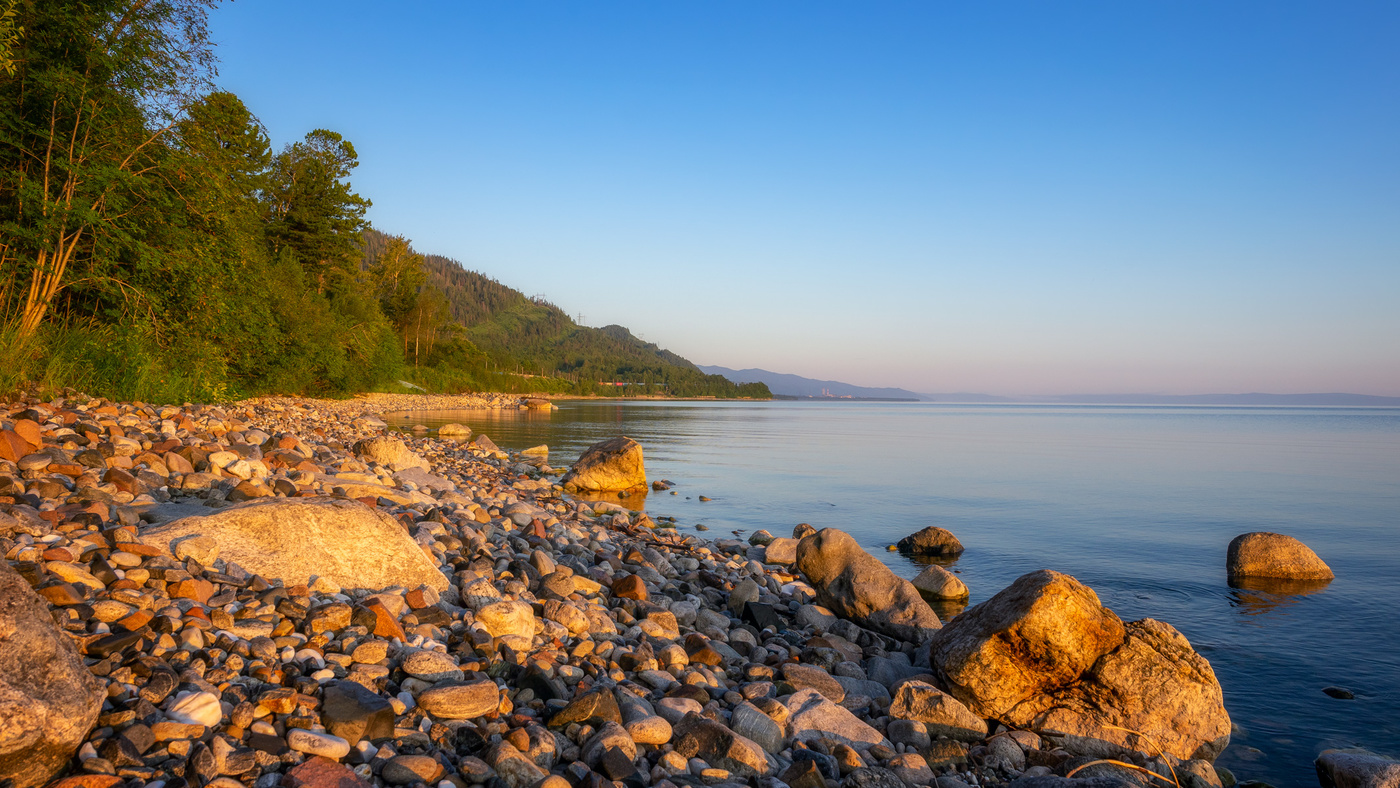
x,y
530,336
153,247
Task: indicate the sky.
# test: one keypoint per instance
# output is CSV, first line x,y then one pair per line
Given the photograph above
x,y
1001,197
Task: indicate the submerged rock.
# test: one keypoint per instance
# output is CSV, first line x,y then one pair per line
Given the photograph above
x,y
1356,768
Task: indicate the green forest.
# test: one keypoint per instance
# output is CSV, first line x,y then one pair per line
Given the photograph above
x,y
154,246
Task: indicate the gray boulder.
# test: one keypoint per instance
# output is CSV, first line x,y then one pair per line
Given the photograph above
x,y
1355,768
857,586
48,698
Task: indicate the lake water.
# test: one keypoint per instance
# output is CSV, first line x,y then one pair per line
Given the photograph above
x,y
1137,502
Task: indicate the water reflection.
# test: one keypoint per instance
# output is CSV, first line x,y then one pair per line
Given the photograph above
x,y
1257,596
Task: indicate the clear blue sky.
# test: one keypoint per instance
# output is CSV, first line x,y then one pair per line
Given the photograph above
x,y
1030,197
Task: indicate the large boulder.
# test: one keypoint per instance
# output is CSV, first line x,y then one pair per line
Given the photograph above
x,y
1355,768
1044,655
390,451
295,539
1264,554
931,541
857,586
48,698
613,465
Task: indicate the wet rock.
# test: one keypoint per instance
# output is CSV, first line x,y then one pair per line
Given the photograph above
x,y
345,542
1270,555
931,541
1356,768
612,465
935,582
857,586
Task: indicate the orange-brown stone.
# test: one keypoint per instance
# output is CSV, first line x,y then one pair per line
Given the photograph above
x,y
630,587
385,625
12,446
318,772
87,781
197,589
30,432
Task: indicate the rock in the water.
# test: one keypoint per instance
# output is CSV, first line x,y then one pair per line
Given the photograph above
x,y
294,539
1044,655
613,465
1263,554
931,541
1355,768
940,713
935,582
390,451
454,430
857,586
48,698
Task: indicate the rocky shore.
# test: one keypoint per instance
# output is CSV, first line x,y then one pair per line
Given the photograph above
x,y
280,593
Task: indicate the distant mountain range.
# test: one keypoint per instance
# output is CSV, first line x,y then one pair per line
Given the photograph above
x,y
797,386
784,385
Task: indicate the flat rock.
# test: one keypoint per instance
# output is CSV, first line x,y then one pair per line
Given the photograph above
x,y
720,747
295,539
815,717
460,701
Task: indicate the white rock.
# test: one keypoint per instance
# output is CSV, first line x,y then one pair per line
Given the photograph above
x,y
196,708
322,744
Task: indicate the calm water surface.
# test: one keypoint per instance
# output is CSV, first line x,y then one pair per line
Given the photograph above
x,y
1137,502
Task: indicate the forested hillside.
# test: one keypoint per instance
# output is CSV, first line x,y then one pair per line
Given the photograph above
x,y
154,246
503,330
